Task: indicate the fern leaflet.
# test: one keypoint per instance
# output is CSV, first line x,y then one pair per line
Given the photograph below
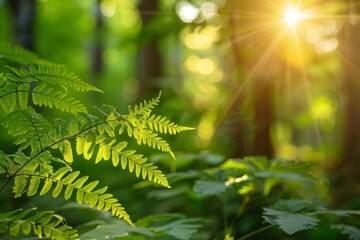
x,y
42,224
19,54
70,181
30,128
163,125
109,148
53,74
144,108
59,99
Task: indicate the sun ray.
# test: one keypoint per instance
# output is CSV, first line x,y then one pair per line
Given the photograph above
x,y
269,32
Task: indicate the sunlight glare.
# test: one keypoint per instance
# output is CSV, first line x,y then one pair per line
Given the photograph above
x,y
187,11
292,16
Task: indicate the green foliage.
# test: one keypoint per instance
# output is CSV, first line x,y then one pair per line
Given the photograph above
x,y
19,55
42,224
34,170
173,226
290,222
297,215
352,232
254,182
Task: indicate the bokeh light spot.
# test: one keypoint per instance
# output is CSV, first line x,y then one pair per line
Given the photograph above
x,y
186,11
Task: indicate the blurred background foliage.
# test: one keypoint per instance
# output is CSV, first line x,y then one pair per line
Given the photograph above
x,y
251,84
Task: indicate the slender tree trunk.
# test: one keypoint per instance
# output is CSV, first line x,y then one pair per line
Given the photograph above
x,y
264,118
149,58
238,125
23,15
350,100
97,62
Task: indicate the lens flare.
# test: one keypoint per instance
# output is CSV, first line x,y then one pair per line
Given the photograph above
x,y
292,16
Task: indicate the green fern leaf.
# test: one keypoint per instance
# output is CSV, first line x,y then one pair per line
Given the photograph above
x,y
54,74
63,78
163,125
44,224
49,97
151,139
20,183
137,162
46,187
34,185
30,128
67,151
23,94
145,107
19,54
86,120
8,97
85,193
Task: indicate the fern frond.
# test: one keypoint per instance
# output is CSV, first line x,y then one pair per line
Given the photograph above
x,y
86,120
29,128
55,74
21,168
145,107
151,139
109,148
59,75
84,193
19,54
42,224
8,96
163,125
137,162
49,97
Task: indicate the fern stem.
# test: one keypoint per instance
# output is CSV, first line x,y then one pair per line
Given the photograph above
x,y
256,232
46,148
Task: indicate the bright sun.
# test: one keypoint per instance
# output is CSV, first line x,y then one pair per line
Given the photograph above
x,y
292,16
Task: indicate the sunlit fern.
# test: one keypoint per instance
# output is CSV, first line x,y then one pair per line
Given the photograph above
x,y
31,169
42,224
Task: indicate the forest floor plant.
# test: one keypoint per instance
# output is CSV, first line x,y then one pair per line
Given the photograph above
x,y
42,161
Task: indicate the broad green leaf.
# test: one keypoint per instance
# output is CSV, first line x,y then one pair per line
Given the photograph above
x,y
205,187
352,232
289,222
180,229
116,230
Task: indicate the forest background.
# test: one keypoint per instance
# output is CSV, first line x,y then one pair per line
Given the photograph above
x,y
264,86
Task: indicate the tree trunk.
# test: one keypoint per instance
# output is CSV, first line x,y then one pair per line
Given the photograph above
x,y
264,117
23,14
149,58
350,98
97,63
